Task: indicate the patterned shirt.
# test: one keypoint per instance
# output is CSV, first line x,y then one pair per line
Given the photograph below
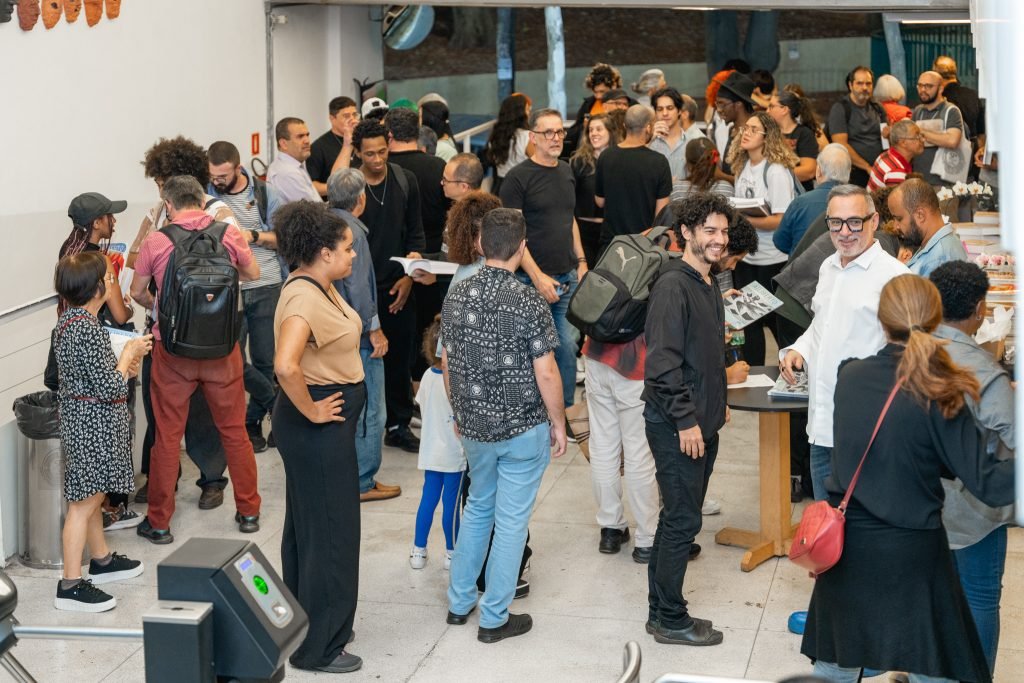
x,y
493,328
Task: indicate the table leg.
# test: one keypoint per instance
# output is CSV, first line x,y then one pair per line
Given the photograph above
x,y
776,509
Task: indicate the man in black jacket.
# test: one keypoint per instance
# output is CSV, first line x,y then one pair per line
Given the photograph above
x,y
684,389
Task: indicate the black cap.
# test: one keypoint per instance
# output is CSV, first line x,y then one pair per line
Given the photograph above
x,y
615,94
85,208
738,87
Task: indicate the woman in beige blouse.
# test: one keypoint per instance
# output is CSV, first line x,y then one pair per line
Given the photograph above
x,y
322,393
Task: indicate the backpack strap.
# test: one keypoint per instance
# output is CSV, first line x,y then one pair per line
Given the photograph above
x,y
259,189
209,203
318,286
399,174
176,234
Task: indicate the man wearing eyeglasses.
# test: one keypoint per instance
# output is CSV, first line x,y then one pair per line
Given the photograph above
x,y
543,188
892,166
940,121
845,324
462,174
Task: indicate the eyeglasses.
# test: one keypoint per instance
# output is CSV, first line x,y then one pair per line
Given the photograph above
x,y
721,104
854,223
552,134
751,130
452,181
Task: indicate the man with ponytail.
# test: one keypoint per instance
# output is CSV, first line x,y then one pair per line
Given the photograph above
x,y
894,602
845,323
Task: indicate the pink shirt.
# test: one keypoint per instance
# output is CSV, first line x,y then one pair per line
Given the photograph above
x,y
156,251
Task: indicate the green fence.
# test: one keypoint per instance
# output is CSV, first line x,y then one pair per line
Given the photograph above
x,y
922,44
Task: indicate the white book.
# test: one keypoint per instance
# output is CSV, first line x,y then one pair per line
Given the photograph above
x,y
753,303
118,339
755,206
784,389
435,267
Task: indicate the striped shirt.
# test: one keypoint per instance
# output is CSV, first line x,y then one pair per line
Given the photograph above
x,y
890,169
248,215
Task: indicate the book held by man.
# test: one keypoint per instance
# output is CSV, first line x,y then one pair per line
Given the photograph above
x,y
751,304
435,267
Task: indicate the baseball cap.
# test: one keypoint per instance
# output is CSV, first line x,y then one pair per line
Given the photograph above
x,y
85,208
373,103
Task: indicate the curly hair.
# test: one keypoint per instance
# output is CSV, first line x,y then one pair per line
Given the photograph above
x,y
365,130
177,156
463,226
305,227
742,235
695,209
603,74
431,337
961,285
585,157
511,118
775,148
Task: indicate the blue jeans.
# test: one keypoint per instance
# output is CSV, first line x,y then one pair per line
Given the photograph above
x,y
821,469
568,336
981,576
258,306
502,491
370,431
834,673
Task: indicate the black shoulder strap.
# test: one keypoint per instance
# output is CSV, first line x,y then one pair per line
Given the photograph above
x,y
175,233
259,188
318,286
209,203
399,174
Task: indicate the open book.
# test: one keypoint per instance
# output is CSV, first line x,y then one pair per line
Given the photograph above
x,y
754,303
784,389
435,267
755,206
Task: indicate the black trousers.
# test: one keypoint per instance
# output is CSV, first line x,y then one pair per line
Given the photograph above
x,y
787,332
320,540
428,304
745,273
202,440
683,482
403,345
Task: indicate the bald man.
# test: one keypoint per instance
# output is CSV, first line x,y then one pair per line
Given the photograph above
x,y
940,122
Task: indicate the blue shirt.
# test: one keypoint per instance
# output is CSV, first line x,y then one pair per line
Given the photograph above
x,y
801,213
360,288
944,246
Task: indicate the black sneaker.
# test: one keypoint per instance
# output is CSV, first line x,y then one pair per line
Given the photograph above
x,y
694,550
118,569
642,555
796,489
255,432
402,437
612,539
517,625
121,518
247,525
271,443
83,597
344,663
522,589
157,536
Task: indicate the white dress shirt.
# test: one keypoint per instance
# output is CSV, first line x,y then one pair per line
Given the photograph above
x,y
845,325
290,178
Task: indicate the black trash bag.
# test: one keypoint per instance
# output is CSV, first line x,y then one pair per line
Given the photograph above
x,y
36,414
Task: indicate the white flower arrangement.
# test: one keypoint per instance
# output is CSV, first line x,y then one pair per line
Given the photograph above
x,y
965,190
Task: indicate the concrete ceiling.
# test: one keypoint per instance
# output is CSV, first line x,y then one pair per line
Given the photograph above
x,y
832,5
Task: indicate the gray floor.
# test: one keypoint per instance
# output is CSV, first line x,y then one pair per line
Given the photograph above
x,y
585,605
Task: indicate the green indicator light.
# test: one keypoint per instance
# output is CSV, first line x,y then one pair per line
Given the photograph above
x,y
260,584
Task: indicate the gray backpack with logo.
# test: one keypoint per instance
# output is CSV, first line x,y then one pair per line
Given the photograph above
x,y
610,303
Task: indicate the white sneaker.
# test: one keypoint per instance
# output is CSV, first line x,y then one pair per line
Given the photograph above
x,y
447,560
711,507
418,558
581,372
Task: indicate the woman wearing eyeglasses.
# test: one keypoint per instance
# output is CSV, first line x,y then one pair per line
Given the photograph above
x,y
763,163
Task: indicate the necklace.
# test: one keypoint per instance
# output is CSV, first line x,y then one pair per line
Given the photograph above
x,y
383,194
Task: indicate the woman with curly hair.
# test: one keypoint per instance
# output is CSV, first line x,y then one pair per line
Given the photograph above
x,y
894,601
763,163
315,419
463,231
601,79
800,127
509,144
601,134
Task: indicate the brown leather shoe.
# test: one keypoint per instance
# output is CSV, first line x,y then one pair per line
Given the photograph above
x,y
379,492
211,497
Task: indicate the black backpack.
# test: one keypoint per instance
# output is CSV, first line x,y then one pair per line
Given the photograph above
x,y
198,306
610,303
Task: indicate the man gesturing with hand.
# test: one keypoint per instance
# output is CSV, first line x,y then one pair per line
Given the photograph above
x,y
684,391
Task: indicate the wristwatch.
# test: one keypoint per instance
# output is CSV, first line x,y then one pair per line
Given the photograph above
x,y
255,236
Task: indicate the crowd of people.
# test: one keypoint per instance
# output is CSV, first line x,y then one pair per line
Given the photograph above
x,y
288,289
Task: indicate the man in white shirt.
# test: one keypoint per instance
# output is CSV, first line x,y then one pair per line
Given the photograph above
x,y
845,323
287,173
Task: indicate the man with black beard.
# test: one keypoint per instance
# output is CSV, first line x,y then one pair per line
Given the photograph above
x,y
684,332
940,121
855,122
915,208
253,203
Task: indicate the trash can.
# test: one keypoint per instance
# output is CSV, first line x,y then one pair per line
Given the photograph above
x,y
42,481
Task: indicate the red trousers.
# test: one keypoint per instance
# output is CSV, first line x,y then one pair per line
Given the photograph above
x,y
174,380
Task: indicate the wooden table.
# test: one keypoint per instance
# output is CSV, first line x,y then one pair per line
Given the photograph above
x,y
777,528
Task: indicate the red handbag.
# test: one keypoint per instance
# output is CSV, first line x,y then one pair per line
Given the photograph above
x,y
818,543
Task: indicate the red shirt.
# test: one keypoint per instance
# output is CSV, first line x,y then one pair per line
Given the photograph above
x,y
627,359
890,169
156,251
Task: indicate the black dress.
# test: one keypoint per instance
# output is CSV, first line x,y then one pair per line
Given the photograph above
x,y
894,601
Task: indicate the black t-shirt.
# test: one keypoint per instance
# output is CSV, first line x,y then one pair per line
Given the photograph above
x,y
323,153
631,180
863,125
803,143
434,206
585,183
393,223
547,197
970,106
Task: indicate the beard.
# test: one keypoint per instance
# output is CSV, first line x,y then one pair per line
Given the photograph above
x,y
700,250
914,237
925,99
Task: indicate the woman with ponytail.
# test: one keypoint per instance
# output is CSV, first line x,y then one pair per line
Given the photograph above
x,y
893,602
800,127
701,161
